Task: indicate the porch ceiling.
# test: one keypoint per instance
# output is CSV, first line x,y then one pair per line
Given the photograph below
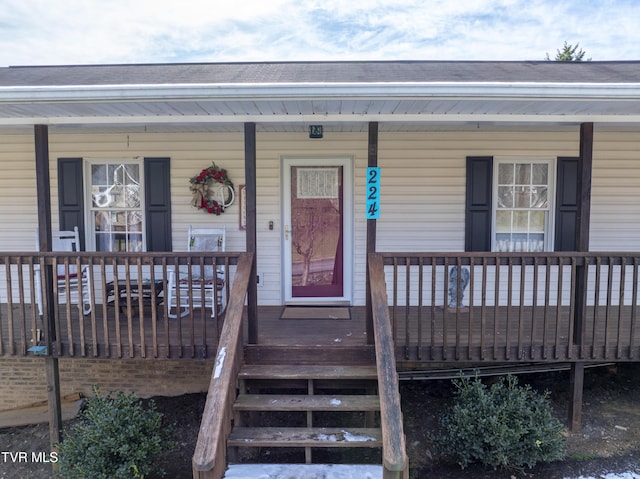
x,y
339,114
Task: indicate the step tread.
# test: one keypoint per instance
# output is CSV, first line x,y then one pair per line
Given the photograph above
x,y
310,471
305,437
301,402
285,371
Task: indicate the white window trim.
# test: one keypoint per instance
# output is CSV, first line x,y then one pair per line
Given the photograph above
x,y
90,240
550,222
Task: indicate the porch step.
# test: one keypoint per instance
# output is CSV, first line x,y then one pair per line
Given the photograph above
x,y
310,408
306,471
309,354
286,371
305,437
298,402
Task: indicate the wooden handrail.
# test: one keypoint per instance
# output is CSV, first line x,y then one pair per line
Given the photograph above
x,y
209,458
394,456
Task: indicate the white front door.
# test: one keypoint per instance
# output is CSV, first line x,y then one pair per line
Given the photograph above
x,y
317,230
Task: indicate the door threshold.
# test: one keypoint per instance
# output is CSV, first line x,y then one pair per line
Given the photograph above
x,y
317,303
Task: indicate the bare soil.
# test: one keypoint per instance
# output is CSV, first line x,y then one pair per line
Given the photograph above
x,y
609,440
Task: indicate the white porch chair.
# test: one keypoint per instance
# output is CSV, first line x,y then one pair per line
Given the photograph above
x,y
66,241
202,282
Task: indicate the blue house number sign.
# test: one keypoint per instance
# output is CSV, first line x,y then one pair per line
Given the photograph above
x,y
373,193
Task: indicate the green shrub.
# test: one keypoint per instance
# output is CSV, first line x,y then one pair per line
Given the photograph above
x,y
503,426
115,437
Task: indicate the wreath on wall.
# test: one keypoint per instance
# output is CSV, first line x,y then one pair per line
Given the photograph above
x,y
212,190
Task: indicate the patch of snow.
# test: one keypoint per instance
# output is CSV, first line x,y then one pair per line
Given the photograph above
x,y
335,402
337,340
303,471
612,475
354,438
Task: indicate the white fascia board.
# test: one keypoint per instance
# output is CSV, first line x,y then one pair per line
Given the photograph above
x,y
333,118
267,91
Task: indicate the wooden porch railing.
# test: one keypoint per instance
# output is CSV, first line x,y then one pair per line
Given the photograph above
x,y
516,306
119,311
209,459
394,457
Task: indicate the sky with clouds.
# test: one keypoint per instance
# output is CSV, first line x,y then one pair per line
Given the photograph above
x,y
46,32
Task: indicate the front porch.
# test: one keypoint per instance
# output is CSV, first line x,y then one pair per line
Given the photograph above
x,y
572,307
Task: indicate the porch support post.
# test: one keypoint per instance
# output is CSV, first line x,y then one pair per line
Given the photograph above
x,y
43,183
371,230
251,241
585,166
577,386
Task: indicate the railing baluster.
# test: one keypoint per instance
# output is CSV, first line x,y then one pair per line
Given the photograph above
x,y
116,307
607,311
470,315
509,304
9,305
458,295
140,282
407,306
547,305
154,304
394,316
129,314
496,306
558,335
623,272
634,301
7,275
534,307
483,310
434,270
35,337
83,336
105,317
420,305
23,326
523,279
572,308
445,305
92,300
596,306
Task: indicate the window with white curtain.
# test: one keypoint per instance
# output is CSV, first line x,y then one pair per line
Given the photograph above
x,y
523,205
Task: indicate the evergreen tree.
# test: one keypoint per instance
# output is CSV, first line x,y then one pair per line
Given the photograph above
x,y
569,53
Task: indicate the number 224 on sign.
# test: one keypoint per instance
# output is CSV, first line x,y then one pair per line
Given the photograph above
x,y
373,193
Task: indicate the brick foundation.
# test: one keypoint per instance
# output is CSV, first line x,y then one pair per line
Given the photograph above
x,y
24,380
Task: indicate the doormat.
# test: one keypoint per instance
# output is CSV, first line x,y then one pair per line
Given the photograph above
x,y
315,312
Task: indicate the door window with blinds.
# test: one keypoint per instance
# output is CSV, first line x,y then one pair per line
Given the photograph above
x,y
116,209
523,205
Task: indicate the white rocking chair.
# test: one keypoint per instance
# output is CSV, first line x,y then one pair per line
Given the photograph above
x,y
208,282
69,280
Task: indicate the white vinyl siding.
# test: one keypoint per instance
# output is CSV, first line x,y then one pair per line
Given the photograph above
x,y
422,196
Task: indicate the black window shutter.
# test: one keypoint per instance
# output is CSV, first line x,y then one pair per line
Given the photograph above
x,y
71,196
566,204
158,203
478,203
